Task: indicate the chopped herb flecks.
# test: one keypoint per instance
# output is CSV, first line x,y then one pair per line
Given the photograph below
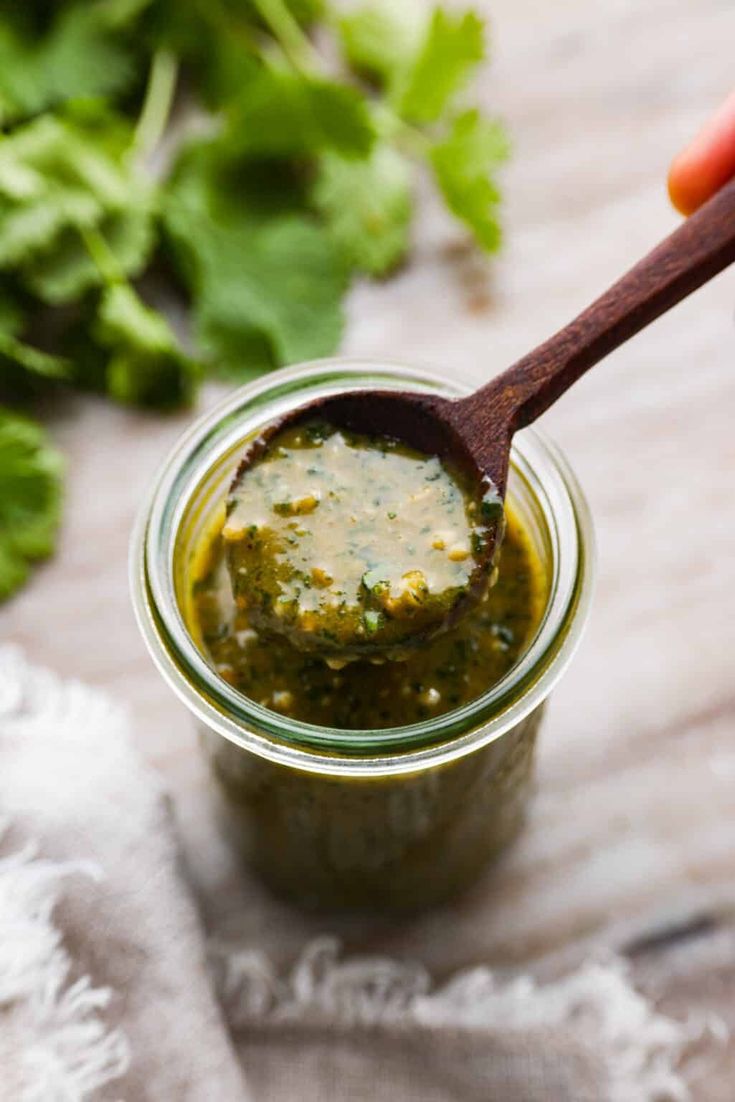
x,y
380,528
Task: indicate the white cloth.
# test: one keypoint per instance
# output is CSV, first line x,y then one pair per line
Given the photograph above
x,y
110,984
106,993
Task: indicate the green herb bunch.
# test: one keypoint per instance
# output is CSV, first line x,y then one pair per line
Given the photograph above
x,y
250,155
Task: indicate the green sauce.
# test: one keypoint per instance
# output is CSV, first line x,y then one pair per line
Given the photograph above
x,y
446,673
351,546
396,842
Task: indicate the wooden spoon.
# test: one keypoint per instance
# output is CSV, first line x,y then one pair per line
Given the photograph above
x,y
475,433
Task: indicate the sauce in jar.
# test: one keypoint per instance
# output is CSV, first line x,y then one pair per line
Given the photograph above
x,y
398,842
446,673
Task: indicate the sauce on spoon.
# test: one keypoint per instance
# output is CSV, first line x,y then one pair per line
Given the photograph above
x,y
353,546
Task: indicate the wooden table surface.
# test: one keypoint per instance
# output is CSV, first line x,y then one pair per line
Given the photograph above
x,y
631,844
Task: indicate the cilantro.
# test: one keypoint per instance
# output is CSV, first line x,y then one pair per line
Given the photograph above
x,y
316,433
144,363
453,45
423,60
376,579
82,54
491,507
305,12
266,288
381,38
220,44
30,496
289,114
299,173
62,185
372,620
367,207
423,63
464,164
215,55
268,296
58,179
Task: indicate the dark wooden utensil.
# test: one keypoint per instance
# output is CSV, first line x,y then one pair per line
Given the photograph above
x,y
475,433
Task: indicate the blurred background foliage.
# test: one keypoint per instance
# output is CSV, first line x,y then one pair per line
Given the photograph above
x,y
249,156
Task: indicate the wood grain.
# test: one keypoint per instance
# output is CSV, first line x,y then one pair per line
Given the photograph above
x,y
633,830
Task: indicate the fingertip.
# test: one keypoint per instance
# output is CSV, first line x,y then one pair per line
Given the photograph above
x,y
707,163
682,186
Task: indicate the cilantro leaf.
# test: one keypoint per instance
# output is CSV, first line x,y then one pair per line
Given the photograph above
x,y
30,498
265,293
82,54
56,181
114,344
464,164
144,364
279,285
381,38
266,283
366,205
212,42
283,113
453,45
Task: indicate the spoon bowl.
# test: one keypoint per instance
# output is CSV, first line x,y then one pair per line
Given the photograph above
x,y
422,424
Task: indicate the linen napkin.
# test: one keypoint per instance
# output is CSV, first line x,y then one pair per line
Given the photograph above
x,y
108,990
104,986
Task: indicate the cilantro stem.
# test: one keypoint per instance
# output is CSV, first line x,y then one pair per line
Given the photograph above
x,y
33,359
103,256
394,128
156,105
289,35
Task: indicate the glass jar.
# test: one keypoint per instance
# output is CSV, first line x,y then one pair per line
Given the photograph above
x,y
396,818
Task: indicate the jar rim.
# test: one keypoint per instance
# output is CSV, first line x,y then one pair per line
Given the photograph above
x,y
331,750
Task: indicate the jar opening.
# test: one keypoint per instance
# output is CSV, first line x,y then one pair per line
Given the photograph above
x,y
544,493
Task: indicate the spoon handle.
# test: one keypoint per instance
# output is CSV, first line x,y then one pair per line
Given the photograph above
x,y
684,261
